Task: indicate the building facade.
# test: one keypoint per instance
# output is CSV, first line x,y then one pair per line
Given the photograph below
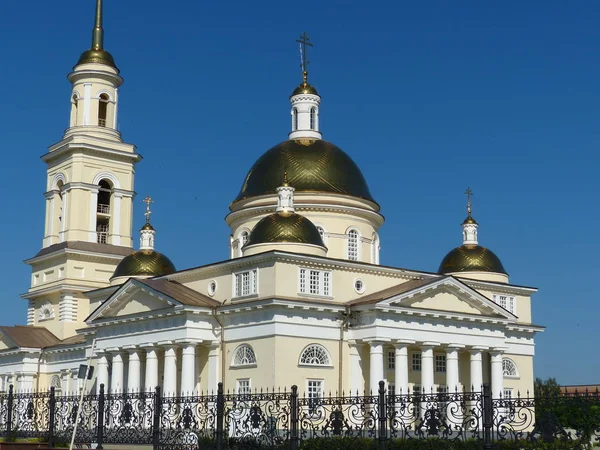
x,y
301,300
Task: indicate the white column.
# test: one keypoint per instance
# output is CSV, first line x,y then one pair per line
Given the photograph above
x,y
116,109
102,377
134,373
151,369
116,218
213,368
497,374
401,369
93,236
375,365
357,384
116,381
476,370
170,371
452,377
87,102
427,369
188,369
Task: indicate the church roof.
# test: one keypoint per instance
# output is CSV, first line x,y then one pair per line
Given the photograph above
x,y
285,227
91,247
392,291
471,258
30,336
148,263
312,165
181,293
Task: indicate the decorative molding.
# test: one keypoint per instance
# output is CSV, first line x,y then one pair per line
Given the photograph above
x,y
46,312
67,309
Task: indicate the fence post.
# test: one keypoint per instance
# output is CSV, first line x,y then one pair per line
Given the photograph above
x,y
220,413
294,413
100,425
10,411
382,413
52,418
488,417
156,418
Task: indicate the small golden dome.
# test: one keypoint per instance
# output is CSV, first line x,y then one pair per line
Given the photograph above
x,y
147,226
93,56
312,165
469,220
144,263
304,88
285,227
471,258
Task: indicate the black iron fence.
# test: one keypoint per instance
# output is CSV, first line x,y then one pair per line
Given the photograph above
x,y
286,420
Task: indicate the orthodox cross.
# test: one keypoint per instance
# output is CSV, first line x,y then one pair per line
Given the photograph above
x,y
304,40
469,194
147,201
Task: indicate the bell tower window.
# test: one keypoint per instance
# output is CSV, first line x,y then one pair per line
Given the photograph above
x,y
103,211
74,110
353,245
102,110
294,119
313,118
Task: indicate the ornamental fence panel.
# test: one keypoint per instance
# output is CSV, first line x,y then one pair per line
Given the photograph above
x,y
287,420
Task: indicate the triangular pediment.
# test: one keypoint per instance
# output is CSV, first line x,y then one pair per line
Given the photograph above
x,y
133,298
447,295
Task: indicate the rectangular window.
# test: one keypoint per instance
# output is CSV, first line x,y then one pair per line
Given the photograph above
x,y
245,283
243,386
391,389
315,393
507,393
391,360
416,362
315,282
440,363
506,301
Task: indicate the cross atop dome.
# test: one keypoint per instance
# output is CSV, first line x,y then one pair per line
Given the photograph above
x,y
304,41
148,201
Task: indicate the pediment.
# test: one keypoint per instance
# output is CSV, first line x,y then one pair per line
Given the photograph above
x,y
133,298
448,295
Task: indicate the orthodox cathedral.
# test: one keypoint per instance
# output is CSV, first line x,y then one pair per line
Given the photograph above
x,y
301,300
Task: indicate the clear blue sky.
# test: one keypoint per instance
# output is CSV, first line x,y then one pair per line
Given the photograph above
x,y
427,97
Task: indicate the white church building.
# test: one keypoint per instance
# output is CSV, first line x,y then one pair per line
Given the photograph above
x,y
302,298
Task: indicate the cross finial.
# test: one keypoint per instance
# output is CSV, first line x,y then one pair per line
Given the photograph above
x,y
304,41
469,194
147,201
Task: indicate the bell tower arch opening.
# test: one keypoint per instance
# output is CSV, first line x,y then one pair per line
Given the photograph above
x,y
103,211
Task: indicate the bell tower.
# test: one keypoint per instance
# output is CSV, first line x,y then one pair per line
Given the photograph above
x,y
89,196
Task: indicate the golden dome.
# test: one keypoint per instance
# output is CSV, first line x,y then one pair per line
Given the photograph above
x,y
304,88
471,258
469,220
93,56
285,227
147,226
146,263
312,165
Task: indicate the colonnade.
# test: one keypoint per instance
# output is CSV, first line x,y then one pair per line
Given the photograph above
x,y
377,368
136,369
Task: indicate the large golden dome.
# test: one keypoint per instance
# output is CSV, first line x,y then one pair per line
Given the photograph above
x,y
144,263
312,165
285,227
471,258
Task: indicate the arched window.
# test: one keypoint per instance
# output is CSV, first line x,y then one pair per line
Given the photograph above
x,y
103,211
294,119
59,186
243,356
56,383
313,118
74,105
315,355
103,109
353,240
509,368
242,240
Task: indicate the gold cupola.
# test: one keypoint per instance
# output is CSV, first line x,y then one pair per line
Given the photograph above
x,y
97,54
146,262
285,229
471,260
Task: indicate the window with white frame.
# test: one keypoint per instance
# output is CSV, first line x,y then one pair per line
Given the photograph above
x,y
391,360
315,355
315,282
506,301
313,118
245,283
440,363
244,356
509,368
391,390
314,390
294,119
352,245
507,393
416,362
243,386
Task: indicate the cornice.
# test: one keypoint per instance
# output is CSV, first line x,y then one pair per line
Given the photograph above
x,y
498,287
67,251
68,146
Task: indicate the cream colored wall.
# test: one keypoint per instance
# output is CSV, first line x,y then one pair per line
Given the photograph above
x,y
443,301
524,383
262,375
306,249
522,304
484,276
